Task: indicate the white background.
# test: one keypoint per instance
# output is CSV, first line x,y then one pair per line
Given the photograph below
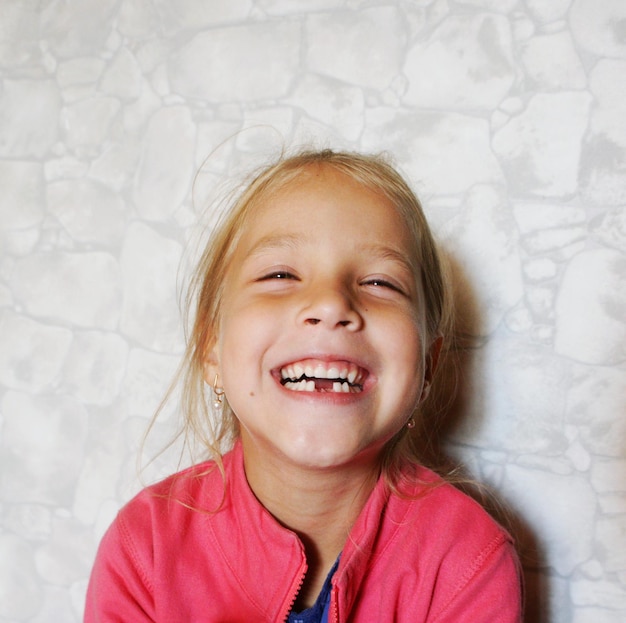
x,y
508,117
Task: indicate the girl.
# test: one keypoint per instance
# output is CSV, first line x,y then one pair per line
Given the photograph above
x,y
320,316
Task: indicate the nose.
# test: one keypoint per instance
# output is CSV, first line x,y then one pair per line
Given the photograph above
x,y
331,307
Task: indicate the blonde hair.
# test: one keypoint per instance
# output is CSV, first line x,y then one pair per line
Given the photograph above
x,y
206,289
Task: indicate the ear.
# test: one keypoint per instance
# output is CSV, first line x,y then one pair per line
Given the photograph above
x,y
431,361
211,367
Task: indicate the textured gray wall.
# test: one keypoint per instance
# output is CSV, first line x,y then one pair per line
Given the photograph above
x,y
507,115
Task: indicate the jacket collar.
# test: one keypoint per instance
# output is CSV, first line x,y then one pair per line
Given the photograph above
x,y
378,522
250,541
243,520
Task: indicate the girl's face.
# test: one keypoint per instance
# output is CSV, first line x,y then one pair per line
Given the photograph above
x,y
321,343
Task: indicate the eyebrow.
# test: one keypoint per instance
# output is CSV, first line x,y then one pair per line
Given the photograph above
x,y
276,241
386,252
293,241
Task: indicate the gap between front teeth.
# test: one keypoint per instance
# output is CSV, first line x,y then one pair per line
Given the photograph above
x,y
305,385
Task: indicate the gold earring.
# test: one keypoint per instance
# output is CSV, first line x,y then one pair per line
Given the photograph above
x,y
218,392
411,423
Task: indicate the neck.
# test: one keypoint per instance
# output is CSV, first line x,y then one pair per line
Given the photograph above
x,y
319,505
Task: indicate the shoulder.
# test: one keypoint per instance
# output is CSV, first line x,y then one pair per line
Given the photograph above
x,y
424,493
448,527
178,499
162,513
195,487
141,551
462,553
161,519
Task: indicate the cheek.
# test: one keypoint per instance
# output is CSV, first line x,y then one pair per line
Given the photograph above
x,y
406,353
243,340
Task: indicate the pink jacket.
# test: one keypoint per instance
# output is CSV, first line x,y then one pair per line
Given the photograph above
x,y
436,558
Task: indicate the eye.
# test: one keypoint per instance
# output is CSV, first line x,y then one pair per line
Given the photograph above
x,y
381,282
277,275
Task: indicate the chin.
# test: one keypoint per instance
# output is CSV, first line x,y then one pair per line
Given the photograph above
x,y
322,457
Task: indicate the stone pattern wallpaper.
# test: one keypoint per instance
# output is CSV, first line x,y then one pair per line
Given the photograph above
x,y
120,121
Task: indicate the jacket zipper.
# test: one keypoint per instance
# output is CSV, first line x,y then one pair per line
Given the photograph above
x,y
333,615
298,587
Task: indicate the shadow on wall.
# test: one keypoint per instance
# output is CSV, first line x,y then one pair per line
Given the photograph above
x,y
454,400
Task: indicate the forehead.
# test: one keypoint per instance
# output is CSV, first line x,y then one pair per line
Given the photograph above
x,y
321,200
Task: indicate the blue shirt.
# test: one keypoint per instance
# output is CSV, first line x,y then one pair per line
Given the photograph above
x,y
318,612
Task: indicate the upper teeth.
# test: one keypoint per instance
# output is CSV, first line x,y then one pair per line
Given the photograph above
x,y
345,371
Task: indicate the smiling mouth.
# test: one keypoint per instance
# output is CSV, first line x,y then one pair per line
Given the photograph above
x,y
340,377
